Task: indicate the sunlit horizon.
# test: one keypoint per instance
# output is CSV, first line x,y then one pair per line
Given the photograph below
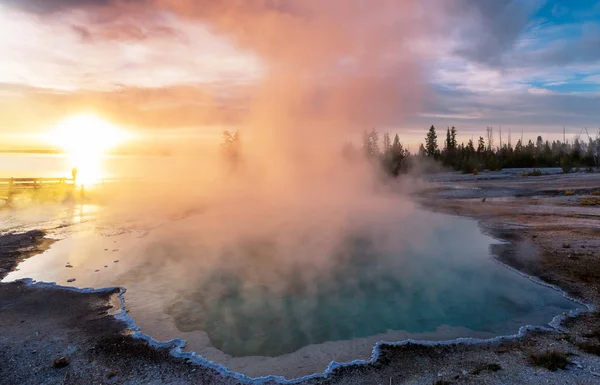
x,y
86,138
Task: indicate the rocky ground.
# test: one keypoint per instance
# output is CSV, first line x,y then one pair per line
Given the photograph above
x,y
552,224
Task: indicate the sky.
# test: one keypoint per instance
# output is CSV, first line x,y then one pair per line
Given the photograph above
x,y
178,68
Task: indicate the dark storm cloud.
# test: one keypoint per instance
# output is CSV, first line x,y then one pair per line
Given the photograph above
x,y
489,28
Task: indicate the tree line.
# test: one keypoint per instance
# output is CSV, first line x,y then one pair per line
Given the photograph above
x,y
485,155
395,159
471,157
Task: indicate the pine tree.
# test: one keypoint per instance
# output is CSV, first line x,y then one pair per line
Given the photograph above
x,y
397,148
471,147
386,142
453,137
480,146
371,144
431,146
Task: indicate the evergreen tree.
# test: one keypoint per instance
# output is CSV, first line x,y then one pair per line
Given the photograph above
x,y
386,142
480,147
371,144
397,155
453,137
470,147
431,145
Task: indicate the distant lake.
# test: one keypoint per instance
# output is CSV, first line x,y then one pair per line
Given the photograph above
x,y
59,165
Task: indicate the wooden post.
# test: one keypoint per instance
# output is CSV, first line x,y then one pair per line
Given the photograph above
x,y
10,191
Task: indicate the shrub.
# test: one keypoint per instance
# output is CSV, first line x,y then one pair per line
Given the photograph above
x,y
468,166
550,360
589,348
534,172
488,367
589,201
566,164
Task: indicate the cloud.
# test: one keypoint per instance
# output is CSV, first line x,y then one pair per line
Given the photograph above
x,y
84,52
50,6
488,29
536,113
327,62
540,91
592,79
488,55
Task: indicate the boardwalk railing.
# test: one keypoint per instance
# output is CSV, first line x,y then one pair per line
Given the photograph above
x,y
12,183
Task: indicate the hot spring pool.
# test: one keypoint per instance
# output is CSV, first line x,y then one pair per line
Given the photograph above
x,y
258,312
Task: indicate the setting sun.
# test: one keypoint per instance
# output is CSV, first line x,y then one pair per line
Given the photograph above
x,y
86,138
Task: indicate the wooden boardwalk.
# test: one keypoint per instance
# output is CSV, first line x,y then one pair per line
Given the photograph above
x,y
37,183
12,183
10,187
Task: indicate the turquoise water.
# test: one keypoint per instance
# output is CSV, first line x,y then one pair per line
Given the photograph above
x,y
431,276
450,280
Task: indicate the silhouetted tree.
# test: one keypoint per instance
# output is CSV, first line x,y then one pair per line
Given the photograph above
x,y
230,148
371,144
453,137
431,145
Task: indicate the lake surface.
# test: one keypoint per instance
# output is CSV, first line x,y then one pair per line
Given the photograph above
x,y
259,312
23,165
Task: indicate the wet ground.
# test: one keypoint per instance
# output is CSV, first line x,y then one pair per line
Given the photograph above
x,y
551,222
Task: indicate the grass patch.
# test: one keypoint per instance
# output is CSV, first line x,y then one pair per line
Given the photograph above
x,y
593,334
596,193
486,367
550,360
590,348
568,193
589,201
534,172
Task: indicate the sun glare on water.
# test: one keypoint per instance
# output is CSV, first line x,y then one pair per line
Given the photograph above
x,y
86,139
